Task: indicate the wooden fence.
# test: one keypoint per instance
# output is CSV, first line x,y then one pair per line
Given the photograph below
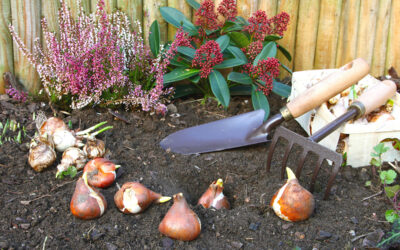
x,y
321,34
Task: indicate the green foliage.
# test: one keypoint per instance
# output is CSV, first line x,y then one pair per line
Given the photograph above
x,y
376,159
154,38
12,131
393,237
231,38
71,172
388,177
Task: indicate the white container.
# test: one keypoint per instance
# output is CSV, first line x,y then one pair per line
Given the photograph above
x,y
362,136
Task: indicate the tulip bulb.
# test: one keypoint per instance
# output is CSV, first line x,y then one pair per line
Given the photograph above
x,y
214,196
94,148
180,222
71,157
65,138
101,172
50,125
41,153
292,202
134,198
87,202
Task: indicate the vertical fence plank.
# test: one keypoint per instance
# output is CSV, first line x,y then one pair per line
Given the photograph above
x,y
366,30
26,21
247,7
6,53
133,8
269,6
306,36
393,50
289,37
380,46
183,7
74,8
50,12
151,13
328,30
347,43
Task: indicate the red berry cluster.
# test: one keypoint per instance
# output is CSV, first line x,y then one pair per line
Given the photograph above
x,y
253,49
260,26
206,17
206,57
227,9
266,71
280,23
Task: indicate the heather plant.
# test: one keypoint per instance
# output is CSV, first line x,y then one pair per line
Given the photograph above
x,y
98,59
226,54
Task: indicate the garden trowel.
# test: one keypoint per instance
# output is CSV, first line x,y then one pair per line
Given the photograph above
x,y
250,128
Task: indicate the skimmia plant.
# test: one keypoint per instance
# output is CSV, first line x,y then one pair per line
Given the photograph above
x,y
221,42
98,59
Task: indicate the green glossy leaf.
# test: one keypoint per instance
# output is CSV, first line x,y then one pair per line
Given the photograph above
x,y
240,78
177,19
154,38
391,215
260,101
219,87
388,177
195,79
179,74
223,42
187,51
231,26
286,68
239,39
229,63
271,38
285,53
240,90
269,50
238,53
241,20
195,5
181,63
391,191
281,89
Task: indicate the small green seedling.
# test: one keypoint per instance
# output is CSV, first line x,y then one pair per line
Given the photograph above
x,y
71,172
388,177
376,160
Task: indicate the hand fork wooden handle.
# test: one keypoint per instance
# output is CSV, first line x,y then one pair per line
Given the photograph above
x,y
371,99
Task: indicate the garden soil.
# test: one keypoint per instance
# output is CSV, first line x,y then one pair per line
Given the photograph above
x,y
35,206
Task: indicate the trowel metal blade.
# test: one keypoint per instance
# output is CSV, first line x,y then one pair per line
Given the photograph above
x,y
218,135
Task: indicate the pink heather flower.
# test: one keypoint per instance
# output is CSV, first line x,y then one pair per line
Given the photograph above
x,y
259,25
266,71
227,8
206,17
206,57
253,49
280,23
16,94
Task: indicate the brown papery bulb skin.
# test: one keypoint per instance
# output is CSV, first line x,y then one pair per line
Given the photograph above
x,y
134,198
214,196
94,148
41,154
101,172
87,202
180,222
51,124
292,202
72,157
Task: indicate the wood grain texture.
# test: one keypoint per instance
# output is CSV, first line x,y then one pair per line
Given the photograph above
x,y
393,50
26,21
269,6
183,7
74,6
247,7
133,8
306,36
6,53
328,31
151,12
289,37
367,29
111,5
347,43
381,38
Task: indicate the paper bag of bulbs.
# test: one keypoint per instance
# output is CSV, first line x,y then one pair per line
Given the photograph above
x,y
355,138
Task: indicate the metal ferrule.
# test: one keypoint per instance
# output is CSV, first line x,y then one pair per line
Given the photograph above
x,y
360,107
286,113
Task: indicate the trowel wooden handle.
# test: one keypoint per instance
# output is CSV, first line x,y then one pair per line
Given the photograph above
x,y
328,87
377,95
